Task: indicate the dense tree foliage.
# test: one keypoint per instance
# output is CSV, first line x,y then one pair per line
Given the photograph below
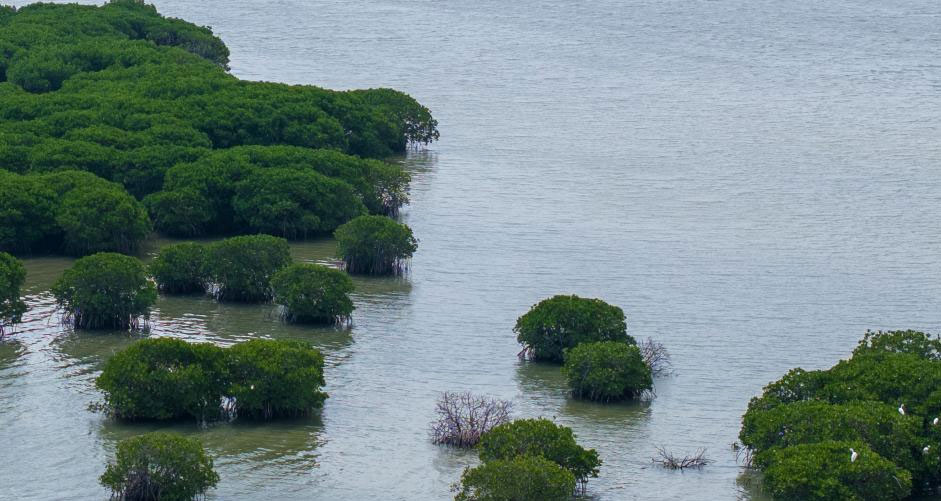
x,y
169,378
68,211
606,371
275,378
165,378
886,397
129,96
823,471
160,467
241,267
522,478
12,276
540,437
562,322
105,291
313,293
181,268
375,245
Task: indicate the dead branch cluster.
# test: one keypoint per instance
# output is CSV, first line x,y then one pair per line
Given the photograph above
x,y
668,460
656,357
463,417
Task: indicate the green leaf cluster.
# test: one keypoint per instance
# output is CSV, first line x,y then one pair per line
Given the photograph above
x,y
540,438
823,471
313,293
168,378
522,478
241,268
887,397
606,371
12,276
105,291
181,268
375,245
73,212
160,466
563,322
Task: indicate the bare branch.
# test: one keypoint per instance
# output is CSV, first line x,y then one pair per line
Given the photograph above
x,y
668,460
464,417
656,357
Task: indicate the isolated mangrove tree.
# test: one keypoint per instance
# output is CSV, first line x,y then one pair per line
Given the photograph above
x,y
375,245
181,268
241,268
160,467
105,291
313,293
521,478
606,371
562,322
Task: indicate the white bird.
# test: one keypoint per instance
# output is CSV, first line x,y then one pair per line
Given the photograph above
x,y
902,409
925,450
935,422
853,455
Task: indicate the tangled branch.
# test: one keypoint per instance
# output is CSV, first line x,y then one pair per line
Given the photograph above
x,y
464,417
668,460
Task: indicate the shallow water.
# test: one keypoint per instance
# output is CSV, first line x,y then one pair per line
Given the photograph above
x,y
755,183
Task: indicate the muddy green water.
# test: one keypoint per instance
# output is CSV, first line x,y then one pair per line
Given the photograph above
x,y
754,182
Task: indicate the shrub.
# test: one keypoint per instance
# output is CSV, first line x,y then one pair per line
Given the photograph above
x,y
540,437
823,471
181,268
179,213
160,466
12,276
523,478
312,293
105,291
101,219
911,342
165,378
375,245
241,267
606,371
276,378
562,322
464,417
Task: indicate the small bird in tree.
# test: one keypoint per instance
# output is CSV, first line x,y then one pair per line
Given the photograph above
x,y
902,409
926,449
853,455
935,422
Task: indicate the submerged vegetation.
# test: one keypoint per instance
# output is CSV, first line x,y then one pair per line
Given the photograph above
x,y
313,293
865,429
168,378
375,245
160,467
12,276
145,107
105,291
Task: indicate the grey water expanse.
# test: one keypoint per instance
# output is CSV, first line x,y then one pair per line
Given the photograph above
x,y
755,182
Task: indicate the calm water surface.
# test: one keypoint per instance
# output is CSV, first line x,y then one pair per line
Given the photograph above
x,y
754,182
